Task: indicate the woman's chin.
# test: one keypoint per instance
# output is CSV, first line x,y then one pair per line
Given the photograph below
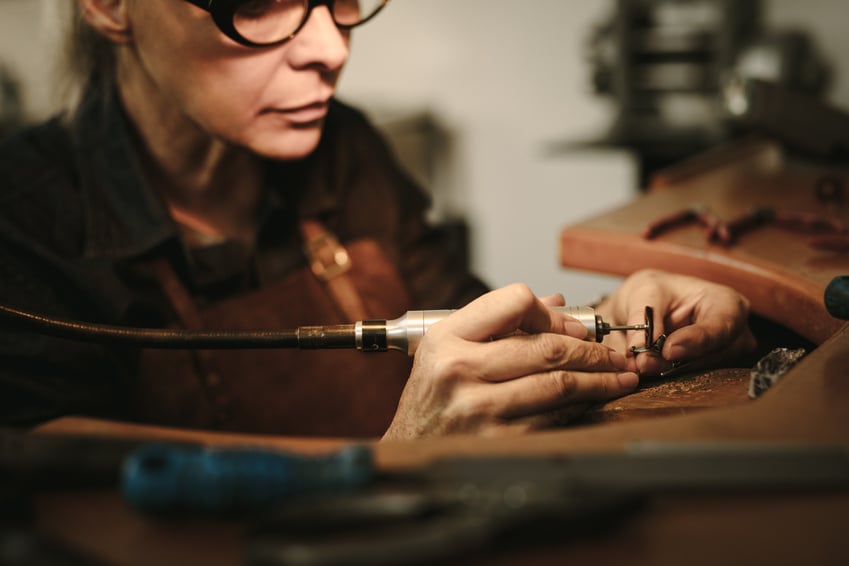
x,y
288,146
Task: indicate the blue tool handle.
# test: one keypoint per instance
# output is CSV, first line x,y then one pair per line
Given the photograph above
x,y
168,478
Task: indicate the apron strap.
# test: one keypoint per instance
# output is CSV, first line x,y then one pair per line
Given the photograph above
x,y
330,262
185,308
181,301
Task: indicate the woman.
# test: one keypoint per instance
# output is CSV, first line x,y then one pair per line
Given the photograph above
x,y
206,179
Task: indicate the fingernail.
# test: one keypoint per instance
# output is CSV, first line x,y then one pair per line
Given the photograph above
x,y
628,380
575,329
618,359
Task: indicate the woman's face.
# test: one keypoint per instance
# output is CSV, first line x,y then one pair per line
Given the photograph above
x,y
271,101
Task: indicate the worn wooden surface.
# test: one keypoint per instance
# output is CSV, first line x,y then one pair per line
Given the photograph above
x,y
681,395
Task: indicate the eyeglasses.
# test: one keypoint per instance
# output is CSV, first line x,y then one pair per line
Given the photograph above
x,y
263,23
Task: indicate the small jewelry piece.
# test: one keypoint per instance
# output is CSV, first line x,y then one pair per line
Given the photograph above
x,y
656,347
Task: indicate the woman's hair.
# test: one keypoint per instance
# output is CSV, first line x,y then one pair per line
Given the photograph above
x,y
89,59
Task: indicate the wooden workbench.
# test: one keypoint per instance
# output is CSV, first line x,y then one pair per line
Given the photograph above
x,y
784,281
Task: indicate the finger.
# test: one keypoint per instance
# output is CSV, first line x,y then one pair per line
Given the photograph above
x,y
653,364
571,325
556,300
554,390
715,325
504,311
516,356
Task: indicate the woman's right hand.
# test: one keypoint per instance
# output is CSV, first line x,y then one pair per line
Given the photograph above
x,y
505,363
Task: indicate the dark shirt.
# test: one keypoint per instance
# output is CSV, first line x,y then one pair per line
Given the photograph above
x,y
78,224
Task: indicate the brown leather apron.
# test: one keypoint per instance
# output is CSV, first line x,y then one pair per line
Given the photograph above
x,y
294,392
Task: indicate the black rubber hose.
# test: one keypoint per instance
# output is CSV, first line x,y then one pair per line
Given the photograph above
x,y
158,338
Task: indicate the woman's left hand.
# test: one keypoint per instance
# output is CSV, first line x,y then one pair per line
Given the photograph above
x,y
705,323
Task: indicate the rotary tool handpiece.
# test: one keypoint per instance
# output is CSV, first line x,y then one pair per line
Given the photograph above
x,y
406,332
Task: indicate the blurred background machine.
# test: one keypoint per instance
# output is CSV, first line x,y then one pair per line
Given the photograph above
x,y
685,75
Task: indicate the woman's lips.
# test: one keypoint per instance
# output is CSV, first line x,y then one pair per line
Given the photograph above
x,y
306,114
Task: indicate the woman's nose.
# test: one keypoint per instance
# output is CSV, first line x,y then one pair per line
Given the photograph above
x,y
321,41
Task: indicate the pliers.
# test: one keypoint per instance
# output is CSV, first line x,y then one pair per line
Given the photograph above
x,y
831,232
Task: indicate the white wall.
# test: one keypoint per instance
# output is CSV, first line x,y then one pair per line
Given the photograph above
x,y
507,79
27,50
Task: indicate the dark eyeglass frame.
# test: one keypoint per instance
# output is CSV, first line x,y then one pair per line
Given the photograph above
x,y
222,12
